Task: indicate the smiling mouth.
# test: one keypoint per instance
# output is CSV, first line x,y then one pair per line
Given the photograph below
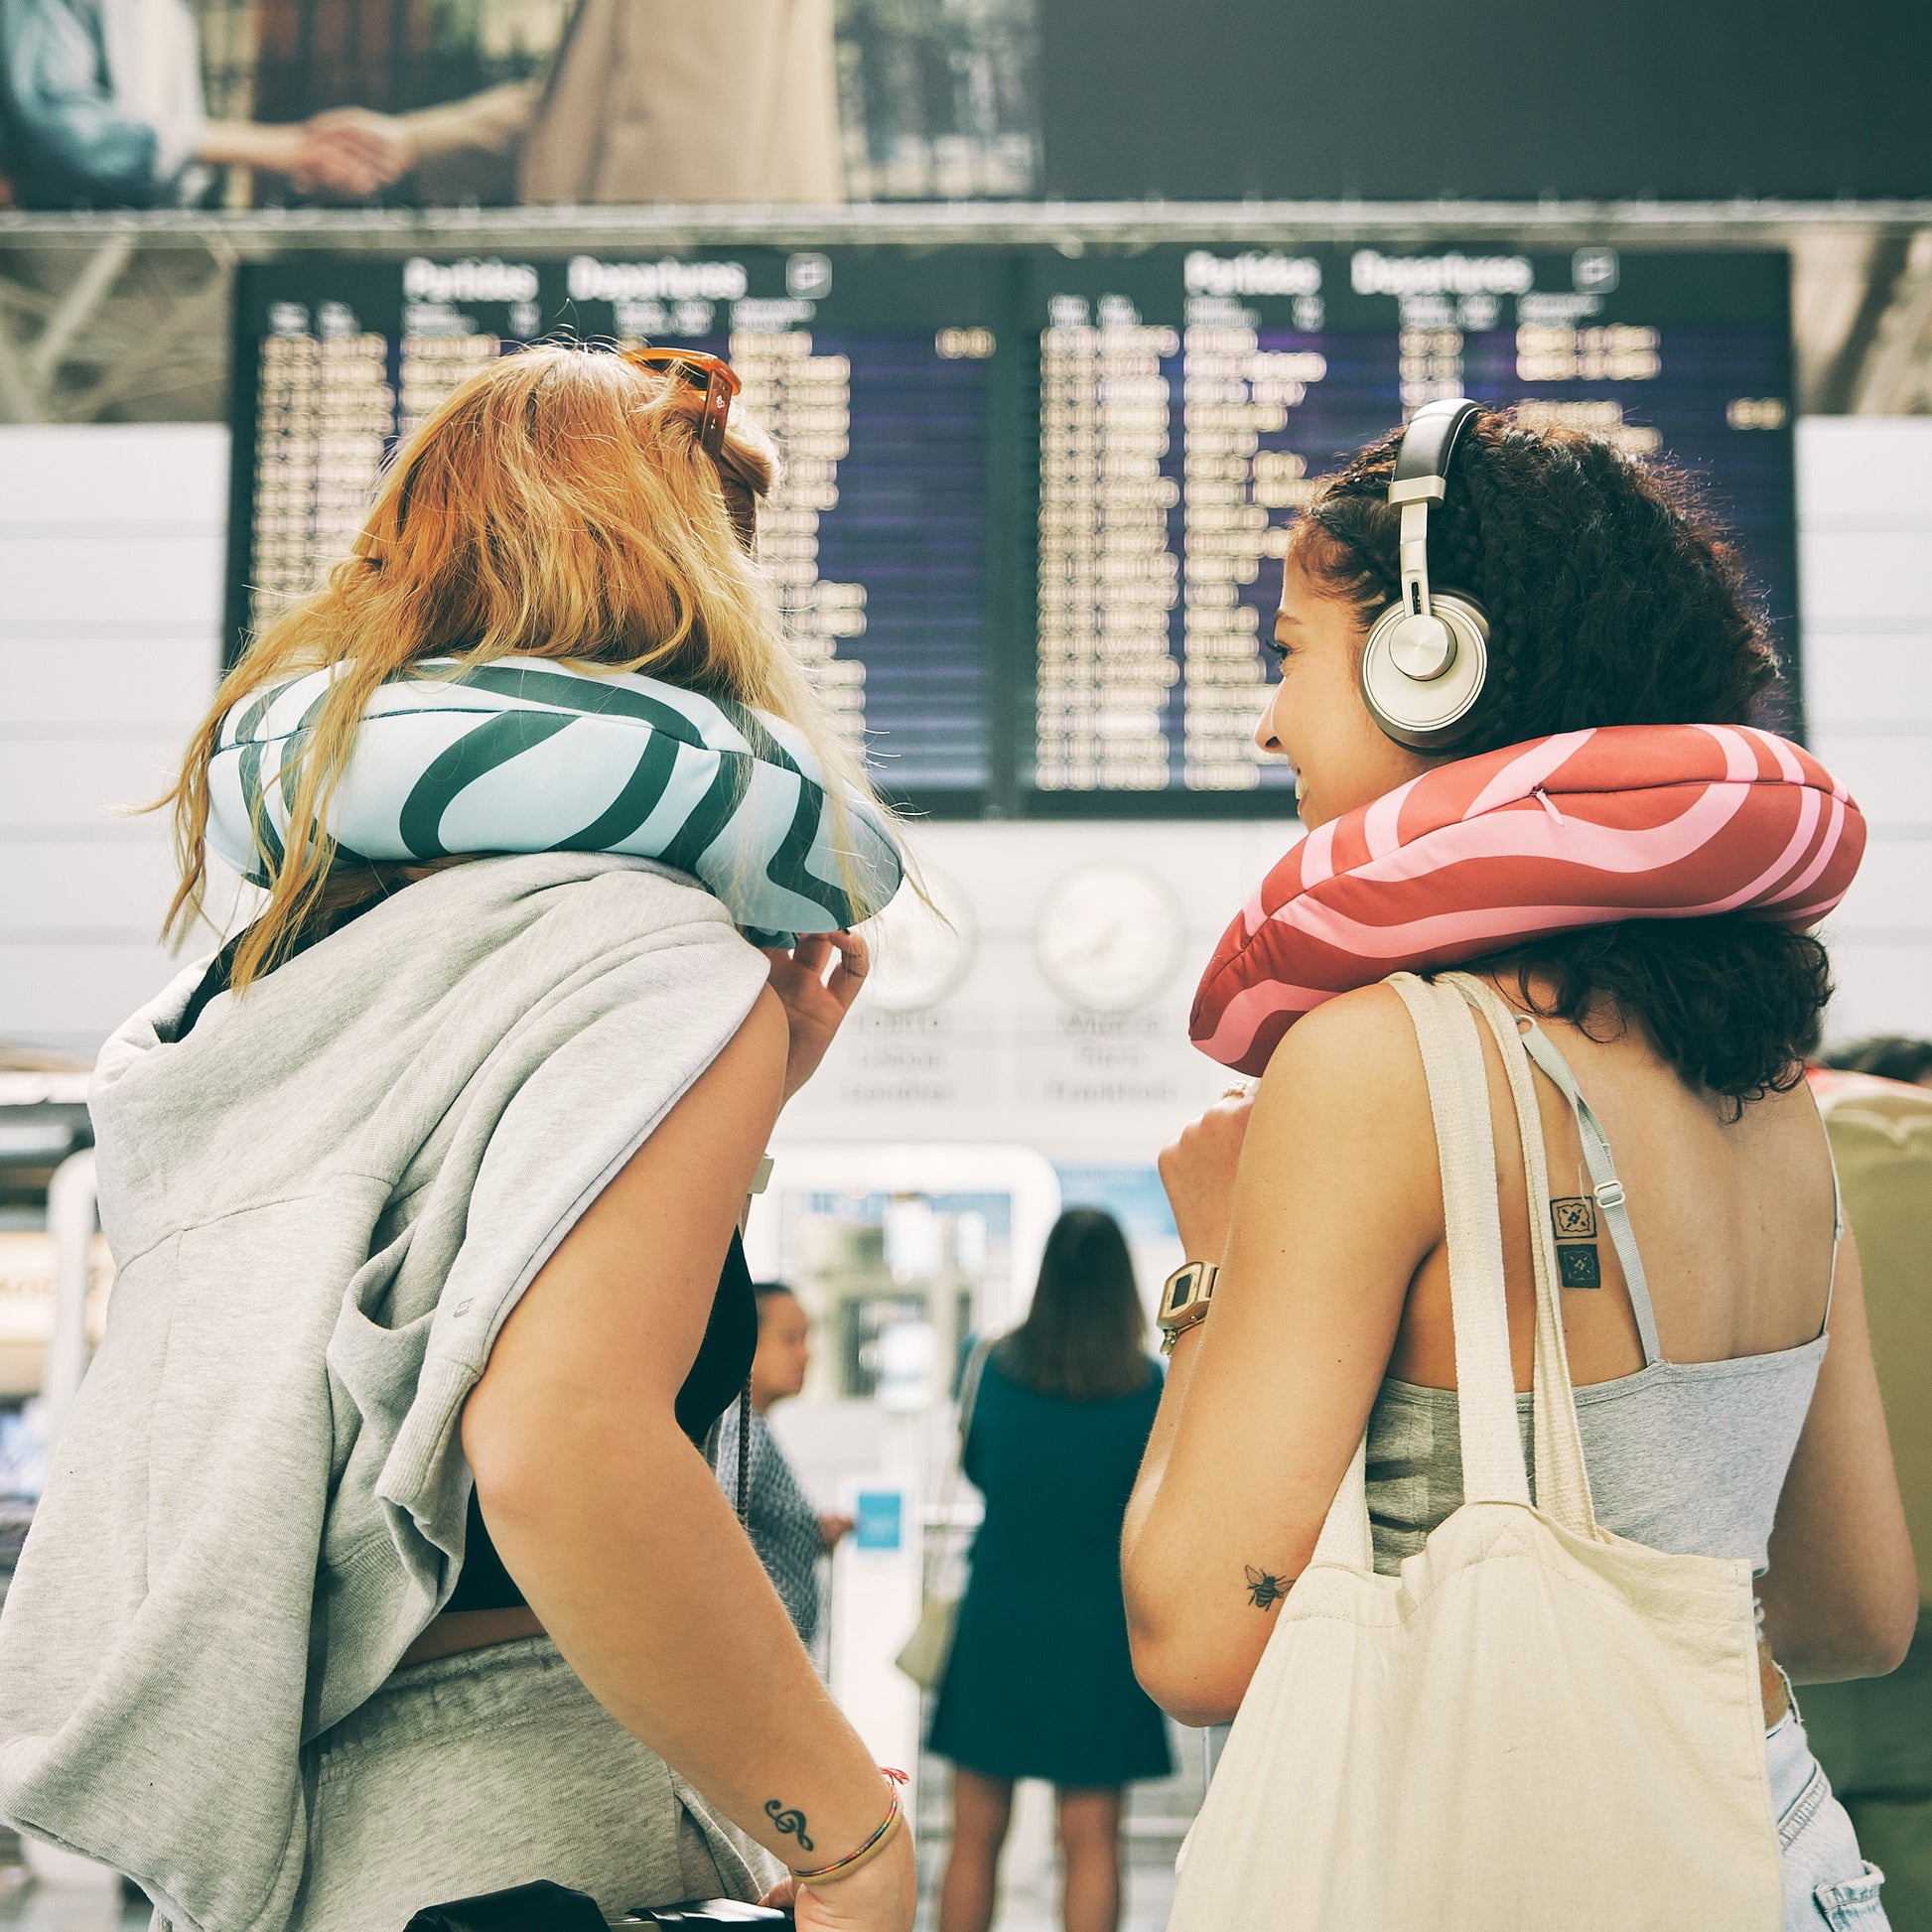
x,y
1301,786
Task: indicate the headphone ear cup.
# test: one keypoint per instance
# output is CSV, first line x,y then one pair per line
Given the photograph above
x,y
1427,714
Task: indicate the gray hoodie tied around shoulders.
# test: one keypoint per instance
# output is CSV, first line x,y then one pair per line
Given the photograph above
x,y
323,1203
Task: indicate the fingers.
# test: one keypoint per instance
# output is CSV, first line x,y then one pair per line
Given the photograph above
x,y
336,172
351,151
811,952
855,962
807,960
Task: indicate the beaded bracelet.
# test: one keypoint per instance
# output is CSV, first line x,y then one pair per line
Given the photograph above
x,y
844,1868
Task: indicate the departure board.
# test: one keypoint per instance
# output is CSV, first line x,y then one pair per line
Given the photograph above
x,y
1028,538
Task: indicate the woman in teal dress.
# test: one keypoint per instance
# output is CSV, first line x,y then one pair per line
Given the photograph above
x,y
1039,1684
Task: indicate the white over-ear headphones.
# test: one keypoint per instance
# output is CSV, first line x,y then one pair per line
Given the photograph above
x,y
1423,664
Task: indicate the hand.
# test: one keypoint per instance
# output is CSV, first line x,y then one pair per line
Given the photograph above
x,y
1197,1170
833,1529
354,150
881,1896
816,1007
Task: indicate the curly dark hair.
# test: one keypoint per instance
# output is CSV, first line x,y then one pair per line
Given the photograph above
x,y
1612,599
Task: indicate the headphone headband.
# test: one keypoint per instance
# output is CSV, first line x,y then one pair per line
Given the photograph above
x,y
1422,462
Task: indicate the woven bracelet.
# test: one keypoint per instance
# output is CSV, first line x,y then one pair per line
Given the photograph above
x,y
869,1850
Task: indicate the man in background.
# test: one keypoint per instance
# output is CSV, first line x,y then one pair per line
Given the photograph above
x,y
786,1530
1875,1737
101,107
735,101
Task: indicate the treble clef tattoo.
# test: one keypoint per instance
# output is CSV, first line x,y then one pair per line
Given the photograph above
x,y
790,1823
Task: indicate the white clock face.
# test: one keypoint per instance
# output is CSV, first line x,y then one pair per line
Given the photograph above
x,y
1109,936
918,957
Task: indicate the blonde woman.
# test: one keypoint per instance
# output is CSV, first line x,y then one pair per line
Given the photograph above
x,y
383,1567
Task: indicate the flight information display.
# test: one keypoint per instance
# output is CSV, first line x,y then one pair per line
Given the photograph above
x,y
1034,501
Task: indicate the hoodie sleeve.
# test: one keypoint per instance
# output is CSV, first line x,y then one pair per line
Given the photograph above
x,y
582,1086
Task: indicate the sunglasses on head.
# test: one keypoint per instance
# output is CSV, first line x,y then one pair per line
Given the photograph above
x,y
711,373
720,384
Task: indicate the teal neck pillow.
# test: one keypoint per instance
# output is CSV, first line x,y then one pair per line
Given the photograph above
x,y
532,755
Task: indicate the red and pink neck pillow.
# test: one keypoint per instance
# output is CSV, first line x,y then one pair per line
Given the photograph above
x,y
1585,828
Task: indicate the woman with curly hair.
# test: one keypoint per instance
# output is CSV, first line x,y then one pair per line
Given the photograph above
x,y
1715,1419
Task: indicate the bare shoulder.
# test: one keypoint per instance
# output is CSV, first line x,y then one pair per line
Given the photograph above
x,y
1357,1049
1341,1125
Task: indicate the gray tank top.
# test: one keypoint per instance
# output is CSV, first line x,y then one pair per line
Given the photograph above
x,y
1688,1457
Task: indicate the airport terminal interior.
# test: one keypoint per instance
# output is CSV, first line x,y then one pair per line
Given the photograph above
x,y
1060,317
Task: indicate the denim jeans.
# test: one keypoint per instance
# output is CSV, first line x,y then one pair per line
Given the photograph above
x,y
1875,1740
1827,1881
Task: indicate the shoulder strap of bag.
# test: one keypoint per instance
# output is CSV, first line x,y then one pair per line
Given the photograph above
x,y
1459,1099
969,1395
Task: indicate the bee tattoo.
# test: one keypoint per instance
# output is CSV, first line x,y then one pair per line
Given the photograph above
x,y
1263,1591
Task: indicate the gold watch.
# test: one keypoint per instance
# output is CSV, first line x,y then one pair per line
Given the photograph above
x,y
1184,1301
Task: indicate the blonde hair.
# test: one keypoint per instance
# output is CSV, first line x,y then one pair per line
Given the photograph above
x,y
558,505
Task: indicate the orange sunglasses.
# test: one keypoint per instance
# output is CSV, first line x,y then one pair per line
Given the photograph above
x,y
719,381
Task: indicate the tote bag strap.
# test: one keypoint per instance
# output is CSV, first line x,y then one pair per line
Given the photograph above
x,y
1459,1100
1561,1482
969,1395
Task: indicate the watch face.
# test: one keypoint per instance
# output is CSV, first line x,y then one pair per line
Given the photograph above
x,y
1109,936
918,956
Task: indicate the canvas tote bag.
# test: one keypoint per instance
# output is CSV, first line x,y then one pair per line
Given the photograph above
x,y
925,1652
1537,1726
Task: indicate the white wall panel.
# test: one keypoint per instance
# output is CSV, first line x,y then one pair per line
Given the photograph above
x,y
154,680
1863,677
1867,575
110,594
84,783
172,475
1864,495
1862,467
81,578
113,888
75,991
1882,985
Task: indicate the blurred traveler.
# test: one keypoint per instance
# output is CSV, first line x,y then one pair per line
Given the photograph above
x,y
789,1533
100,106
1714,1419
1040,1682
1888,1056
380,1567
1874,1739
735,101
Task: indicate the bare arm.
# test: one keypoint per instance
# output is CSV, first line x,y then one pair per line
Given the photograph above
x,y
252,144
1336,1204
1841,1598
496,121
615,1527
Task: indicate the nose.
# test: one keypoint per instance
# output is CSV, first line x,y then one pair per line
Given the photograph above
x,y
1265,738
